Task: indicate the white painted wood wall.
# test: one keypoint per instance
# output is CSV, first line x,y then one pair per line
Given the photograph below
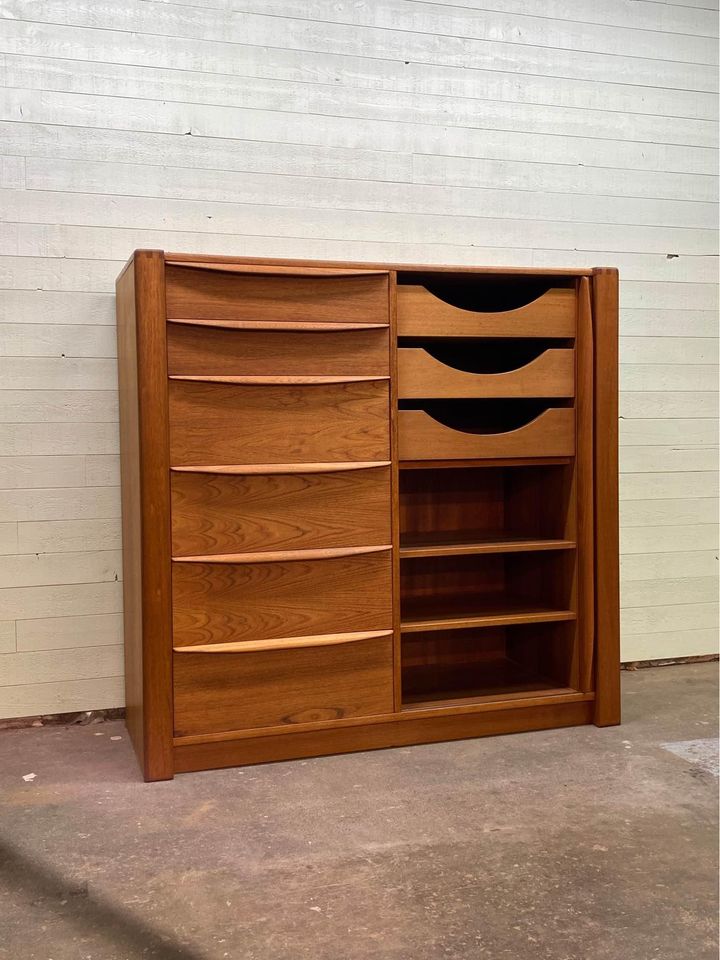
x,y
538,132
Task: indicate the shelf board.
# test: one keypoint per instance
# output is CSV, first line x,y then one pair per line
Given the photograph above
x,y
485,462
427,686
465,542
456,613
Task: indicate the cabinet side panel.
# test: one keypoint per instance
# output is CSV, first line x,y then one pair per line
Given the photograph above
x,y
607,548
131,519
585,499
155,512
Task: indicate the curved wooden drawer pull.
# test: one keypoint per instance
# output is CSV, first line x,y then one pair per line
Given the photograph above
x,y
287,556
288,381
421,314
423,376
253,469
274,270
284,643
280,326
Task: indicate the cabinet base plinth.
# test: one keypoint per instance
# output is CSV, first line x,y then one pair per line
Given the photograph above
x,y
377,735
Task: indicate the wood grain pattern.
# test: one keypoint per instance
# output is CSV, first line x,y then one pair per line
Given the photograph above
x,y
284,643
195,350
146,514
215,603
221,513
420,375
421,437
192,293
388,731
421,314
218,423
607,592
282,686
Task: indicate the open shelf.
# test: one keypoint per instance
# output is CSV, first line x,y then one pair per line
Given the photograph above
x,y
458,591
446,543
495,663
504,679
486,510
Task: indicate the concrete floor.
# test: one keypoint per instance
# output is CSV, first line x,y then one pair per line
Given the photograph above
x,y
582,844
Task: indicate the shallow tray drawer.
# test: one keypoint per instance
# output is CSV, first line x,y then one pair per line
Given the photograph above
x,y
216,692
421,314
257,294
197,350
422,376
228,602
551,434
226,423
224,513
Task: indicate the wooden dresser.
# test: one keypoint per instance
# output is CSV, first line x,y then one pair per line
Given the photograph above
x,y
364,505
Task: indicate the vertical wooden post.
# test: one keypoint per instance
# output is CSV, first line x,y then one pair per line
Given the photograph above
x,y
585,469
142,375
607,590
395,491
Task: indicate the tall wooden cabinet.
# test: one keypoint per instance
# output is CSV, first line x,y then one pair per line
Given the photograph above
x,y
364,505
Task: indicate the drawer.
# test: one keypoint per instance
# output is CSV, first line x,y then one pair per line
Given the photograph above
x,y
308,592
216,692
422,314
283,422
194,350
421,437
257,294
216,513
422,375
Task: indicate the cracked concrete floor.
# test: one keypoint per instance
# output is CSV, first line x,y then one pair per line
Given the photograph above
x,y
581,844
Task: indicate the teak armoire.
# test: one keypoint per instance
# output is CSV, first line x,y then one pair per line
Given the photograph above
x,y
364,505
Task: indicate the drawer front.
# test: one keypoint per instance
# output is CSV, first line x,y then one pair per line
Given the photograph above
x,y
216,692
232,602
240,294
422,376
217,423
221,513
422,314
551,434
198,350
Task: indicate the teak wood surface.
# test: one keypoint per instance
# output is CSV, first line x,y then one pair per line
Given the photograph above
x,y
420,375
323,550
422,314
345,508
552,433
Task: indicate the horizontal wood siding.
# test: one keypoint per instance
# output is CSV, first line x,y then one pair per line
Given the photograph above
x,y
522,132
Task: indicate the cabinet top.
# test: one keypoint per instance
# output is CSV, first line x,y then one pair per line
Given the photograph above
x,y
188,258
